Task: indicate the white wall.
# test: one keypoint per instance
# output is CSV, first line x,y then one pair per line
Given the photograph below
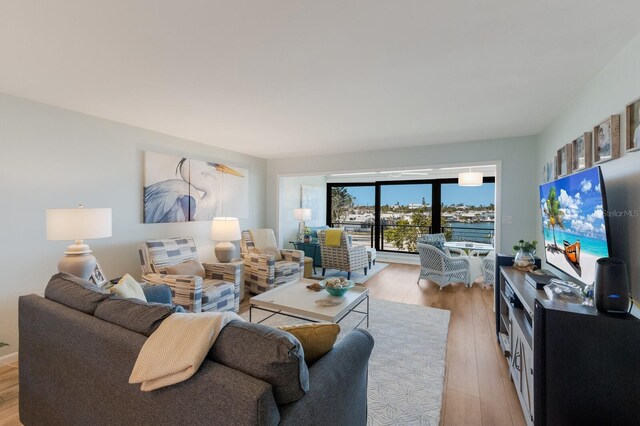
x,y
289,199
515,157
608,93
53,157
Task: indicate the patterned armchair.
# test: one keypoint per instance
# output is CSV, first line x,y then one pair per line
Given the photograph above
x,y
343,258
262,272
439,267
219,291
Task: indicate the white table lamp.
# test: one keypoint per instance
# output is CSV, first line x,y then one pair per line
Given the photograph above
x,y
470,178
224,230
76,225
301,215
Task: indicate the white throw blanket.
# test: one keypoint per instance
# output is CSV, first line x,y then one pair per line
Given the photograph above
x,y
265,242
174,352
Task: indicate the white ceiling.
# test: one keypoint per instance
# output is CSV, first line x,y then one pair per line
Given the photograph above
x,y
286,78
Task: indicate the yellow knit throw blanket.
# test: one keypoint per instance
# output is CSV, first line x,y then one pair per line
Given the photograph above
x,y
175,351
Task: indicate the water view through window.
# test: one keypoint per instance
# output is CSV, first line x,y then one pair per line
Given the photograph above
x,y
406,210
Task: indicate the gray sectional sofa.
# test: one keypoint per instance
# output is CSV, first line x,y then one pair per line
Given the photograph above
x,y
78,347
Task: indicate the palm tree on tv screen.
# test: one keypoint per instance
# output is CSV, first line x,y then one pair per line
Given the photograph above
x,y
552,210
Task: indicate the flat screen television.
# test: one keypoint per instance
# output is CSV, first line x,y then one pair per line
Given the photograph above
x,y
574,223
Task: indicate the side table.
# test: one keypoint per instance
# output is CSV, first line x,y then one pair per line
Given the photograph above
x,y
232,272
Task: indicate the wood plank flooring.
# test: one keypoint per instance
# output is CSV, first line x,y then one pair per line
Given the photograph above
x,y
478,390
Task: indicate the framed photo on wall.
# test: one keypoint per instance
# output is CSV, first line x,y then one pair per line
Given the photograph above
x,y
606,140
564,160
632,114
554,167
581,152
97,276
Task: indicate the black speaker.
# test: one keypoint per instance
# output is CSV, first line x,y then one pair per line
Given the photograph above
x,y
611,286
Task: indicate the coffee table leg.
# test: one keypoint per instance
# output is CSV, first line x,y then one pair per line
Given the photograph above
x,y
367,311
250,309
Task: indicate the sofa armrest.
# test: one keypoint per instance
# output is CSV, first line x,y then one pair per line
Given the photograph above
x,y
338,380
186,289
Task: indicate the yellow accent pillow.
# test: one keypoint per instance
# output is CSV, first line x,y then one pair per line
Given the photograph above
x,y
188,267
129,288
333,237
316,338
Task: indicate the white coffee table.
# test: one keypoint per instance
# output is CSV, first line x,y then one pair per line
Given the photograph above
x,y
295,300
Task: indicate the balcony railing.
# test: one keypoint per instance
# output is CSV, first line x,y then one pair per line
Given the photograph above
x,y
364,234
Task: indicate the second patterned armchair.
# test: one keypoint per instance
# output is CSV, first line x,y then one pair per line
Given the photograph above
x,y
261,270
344,257
219,290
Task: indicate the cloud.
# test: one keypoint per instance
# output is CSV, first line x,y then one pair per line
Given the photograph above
x,y
569,205
598,188
582,227
597,214
585,185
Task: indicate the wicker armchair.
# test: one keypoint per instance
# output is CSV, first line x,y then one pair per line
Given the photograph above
x,y
437,266
489,268
438,240
262,272
219,291
346,257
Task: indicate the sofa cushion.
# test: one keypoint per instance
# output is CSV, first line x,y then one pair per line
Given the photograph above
x,y
74,292
266,353
135,315
316,338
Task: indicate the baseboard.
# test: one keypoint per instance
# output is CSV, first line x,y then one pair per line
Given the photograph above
x,y
9,359
410,259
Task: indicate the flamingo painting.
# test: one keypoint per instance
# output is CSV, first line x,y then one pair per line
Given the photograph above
x,y
192,192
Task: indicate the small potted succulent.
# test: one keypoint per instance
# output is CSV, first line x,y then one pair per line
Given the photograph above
x,y
525,254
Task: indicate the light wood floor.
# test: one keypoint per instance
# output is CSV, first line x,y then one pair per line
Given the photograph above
x,y
478,390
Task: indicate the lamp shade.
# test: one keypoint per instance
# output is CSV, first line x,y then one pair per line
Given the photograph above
x,y
302,214
470,179
225,229
78,224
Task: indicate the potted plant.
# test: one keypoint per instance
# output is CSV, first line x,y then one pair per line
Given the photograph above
x,y
525,254
307,234
3,344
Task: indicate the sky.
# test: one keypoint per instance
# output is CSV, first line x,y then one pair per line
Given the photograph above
x,y
413,193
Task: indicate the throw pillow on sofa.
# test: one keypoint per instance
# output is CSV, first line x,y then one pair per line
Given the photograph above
x,y
316,338
129,288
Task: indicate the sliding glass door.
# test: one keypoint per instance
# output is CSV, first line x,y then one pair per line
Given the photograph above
x,y
390,215
405,213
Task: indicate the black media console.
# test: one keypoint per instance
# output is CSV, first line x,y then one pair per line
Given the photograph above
x,y
570,364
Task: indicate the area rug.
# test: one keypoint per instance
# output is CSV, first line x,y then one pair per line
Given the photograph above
x,y
357,276
406,368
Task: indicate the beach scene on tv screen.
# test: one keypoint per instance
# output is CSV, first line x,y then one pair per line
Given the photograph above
x,y
573,224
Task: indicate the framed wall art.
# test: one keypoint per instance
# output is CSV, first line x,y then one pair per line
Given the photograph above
x,y
564,160
179,189
581,152
554,167
633,125
606,140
